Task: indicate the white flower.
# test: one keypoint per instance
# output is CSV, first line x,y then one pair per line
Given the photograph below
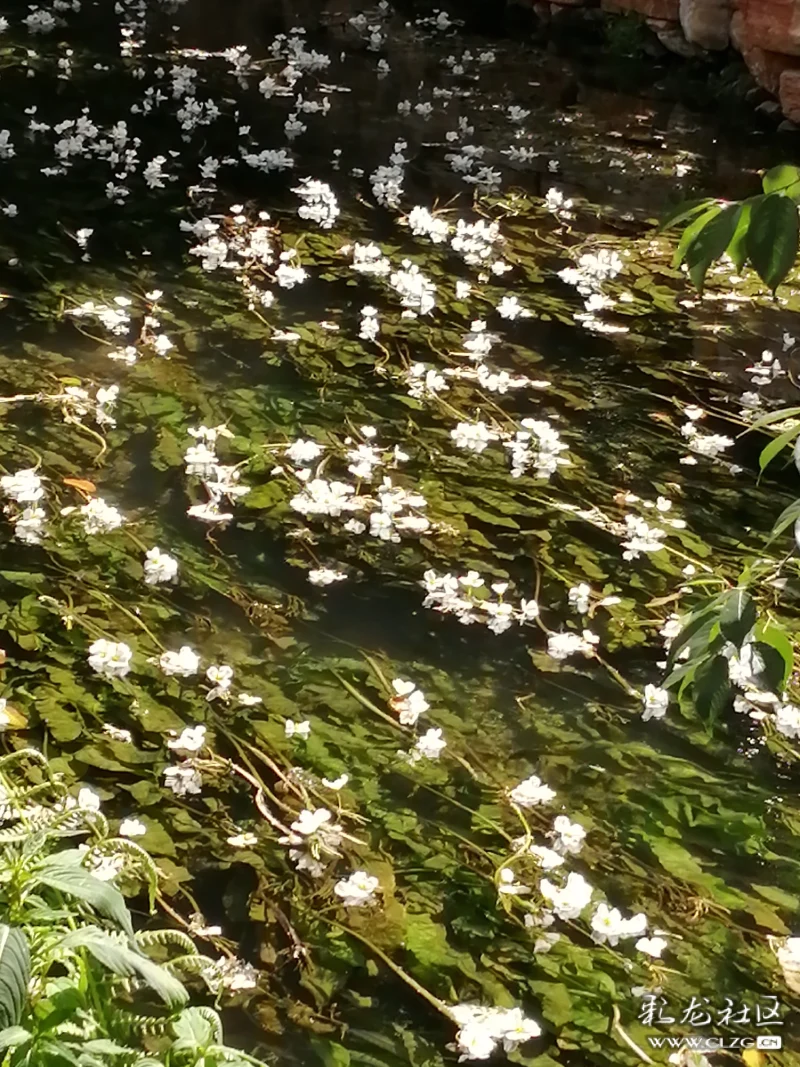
x,y
559,646
409,702
297,729
547,858
606,924
110,658
183,778
787,720
431,744
510,308
357,890
191,739
25,487
531,792
654,703
508,884
182,663
248,700
220,675
303,452
159,567
325,576
473,436
570,837
116,734
481,1029
337,783
570,901
88,800
99,517
579,597
652,946
244,840
310,822
132,828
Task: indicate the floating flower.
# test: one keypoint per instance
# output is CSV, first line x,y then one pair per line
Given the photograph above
x,y
110,658
357,890
182,663
531,793
159,567
132,828
191,739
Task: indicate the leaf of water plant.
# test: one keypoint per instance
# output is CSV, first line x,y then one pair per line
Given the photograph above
x,y
770,451
15,972
772,238
712,688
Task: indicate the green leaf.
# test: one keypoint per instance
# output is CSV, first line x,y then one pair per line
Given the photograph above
x,y
123,960
771,634
738,616
13,1036
789,515
712,689
774,416
710,242
780,177
686,210
772,238
15,972
64,873
770,451
737,248
692,230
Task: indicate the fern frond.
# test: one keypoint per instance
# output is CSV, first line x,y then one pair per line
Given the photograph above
x,y
195,964
167,938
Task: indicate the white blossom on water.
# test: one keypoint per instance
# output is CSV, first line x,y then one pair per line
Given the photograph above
x,y
560,646
408,701
430,745
24,487
567,901
191,739
609,926
654,702
99,517
473,436
159,567
579,597
297,729
358,890
326,576
481,1030
183,779
531,793
417,292
569,836
182,663
110,658
132,828
319,203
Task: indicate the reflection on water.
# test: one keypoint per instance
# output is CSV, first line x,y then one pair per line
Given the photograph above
x,y
436,491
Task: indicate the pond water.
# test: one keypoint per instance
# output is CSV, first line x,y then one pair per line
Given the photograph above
x,y
437,486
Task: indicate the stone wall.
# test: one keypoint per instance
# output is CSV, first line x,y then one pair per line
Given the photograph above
x,y
765,32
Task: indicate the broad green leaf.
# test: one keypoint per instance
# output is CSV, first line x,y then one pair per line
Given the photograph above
x,y
712,689
64,873
774,416
686,210
123,960
693,229
738,616
780,177
710,242
772,238
737,248
15,972
770,451
13,1036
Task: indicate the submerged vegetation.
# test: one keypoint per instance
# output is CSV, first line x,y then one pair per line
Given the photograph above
x,y
388,599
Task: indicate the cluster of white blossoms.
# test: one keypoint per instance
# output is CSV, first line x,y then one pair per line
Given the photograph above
x,y
115,318
220,482
562,645
99,517
417,292
557,203
537,445
475,241
640,537
387,180
470,600
408,701
482,1030
531,793
654,702
313,841
608,925
423,223
25,490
